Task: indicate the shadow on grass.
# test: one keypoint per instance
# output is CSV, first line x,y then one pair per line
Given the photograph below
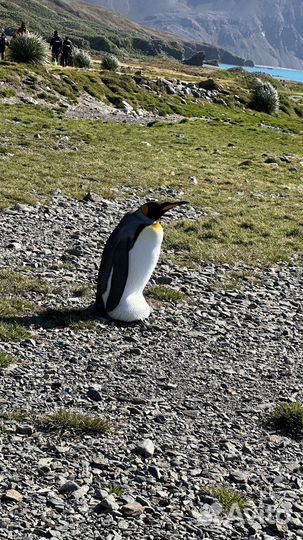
x,y
77,318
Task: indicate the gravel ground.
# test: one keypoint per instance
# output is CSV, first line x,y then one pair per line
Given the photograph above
x,y
194,383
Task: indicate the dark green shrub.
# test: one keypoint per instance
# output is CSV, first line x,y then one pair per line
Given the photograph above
x,y
31,49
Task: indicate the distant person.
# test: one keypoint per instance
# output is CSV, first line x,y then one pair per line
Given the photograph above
x,y
56,46
22,31
67,50
3,45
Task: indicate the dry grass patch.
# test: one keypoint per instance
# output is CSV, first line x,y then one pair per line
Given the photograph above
x,y
15,416
78,422
160,292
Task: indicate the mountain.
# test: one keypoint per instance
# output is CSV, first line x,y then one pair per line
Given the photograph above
x,y
101,29
270,32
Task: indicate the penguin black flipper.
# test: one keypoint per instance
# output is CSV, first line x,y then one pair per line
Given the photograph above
x,y
107,262
119,274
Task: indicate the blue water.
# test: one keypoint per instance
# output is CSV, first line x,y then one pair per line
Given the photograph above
x,y
279,73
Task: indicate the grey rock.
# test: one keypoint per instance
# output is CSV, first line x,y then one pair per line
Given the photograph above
x,y
68,487
29,100
132,509
146,448
13,495
14,245
155,472
109,504
25,429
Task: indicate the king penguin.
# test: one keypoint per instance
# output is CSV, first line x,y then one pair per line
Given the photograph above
x,y
128,261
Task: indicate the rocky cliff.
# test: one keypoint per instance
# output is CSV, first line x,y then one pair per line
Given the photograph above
x,y
269,32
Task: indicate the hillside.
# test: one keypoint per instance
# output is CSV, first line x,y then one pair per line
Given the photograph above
x,y
269,32
101,29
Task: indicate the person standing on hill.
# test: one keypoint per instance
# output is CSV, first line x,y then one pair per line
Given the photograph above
x,y
22,31
56,46
67,50
3,45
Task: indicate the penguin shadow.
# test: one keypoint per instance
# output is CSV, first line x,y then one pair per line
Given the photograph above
x,y
77,318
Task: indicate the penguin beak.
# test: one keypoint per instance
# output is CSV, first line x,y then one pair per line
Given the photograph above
x,y
169,206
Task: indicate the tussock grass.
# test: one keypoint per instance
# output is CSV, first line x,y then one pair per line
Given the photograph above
x,y
288,417
6,360
110,63
78,422
265,97
31,49
81,59
160,292
228,498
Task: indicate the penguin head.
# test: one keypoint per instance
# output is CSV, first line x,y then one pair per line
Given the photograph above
x,y
154,210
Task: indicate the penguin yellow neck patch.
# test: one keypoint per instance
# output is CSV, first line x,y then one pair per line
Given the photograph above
x,y
156,226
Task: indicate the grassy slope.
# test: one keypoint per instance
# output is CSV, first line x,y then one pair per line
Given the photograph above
x,y
253,211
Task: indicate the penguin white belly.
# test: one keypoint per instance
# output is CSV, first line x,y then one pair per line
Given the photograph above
x,y
143,258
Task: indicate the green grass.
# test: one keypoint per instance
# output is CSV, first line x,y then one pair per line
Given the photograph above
x,y
251,214
237,279
160,292
13,332
16,416
288,418
76,318
268,200
6,360
228,498
12,282
13,306
78,422
114,489
3,429
81,291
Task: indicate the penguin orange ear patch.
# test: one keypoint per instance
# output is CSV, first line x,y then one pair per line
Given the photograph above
x,y
144,210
